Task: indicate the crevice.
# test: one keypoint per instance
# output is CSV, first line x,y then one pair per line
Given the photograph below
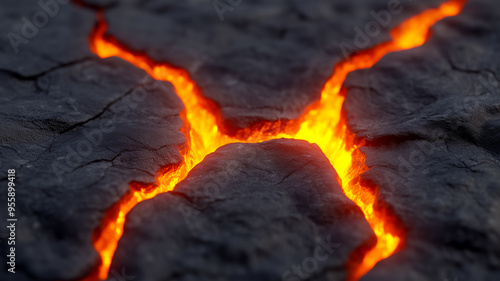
x,y
38,75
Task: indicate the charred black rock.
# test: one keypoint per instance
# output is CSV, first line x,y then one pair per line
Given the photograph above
x,y
267,60
430,116
248,212
39,36
77,136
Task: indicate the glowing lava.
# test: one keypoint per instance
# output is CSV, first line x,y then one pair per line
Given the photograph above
x,y
322,123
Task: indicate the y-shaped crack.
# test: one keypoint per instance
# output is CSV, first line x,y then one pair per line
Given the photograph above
x,y
322,123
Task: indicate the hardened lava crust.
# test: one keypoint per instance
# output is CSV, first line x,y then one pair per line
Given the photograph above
x,y
79,129
266,61
431,118
248,212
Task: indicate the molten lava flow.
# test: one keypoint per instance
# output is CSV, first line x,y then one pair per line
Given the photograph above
x,y
322,123
338,144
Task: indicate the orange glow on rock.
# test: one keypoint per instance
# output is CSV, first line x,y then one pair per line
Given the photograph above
x,y
322,124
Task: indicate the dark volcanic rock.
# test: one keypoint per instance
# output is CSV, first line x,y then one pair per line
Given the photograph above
x,y
36,38
431,117
78,130
247,212
267,60
77,136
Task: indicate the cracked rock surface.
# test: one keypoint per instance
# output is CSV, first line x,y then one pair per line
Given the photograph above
x,y
77,136
38,38
267,60
432,120
248,212
78,130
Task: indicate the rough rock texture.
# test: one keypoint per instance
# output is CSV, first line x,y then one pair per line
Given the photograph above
x,y
267,60
432,118
37,38
77,136
247,212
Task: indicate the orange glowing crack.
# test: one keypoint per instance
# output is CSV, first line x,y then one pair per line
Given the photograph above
x,y
322,124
